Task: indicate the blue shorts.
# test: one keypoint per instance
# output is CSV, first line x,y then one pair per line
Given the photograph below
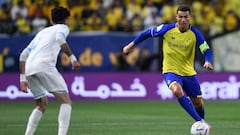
x,y
189,84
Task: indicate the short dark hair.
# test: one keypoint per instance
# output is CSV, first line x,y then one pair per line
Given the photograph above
x,y
59,14
184,8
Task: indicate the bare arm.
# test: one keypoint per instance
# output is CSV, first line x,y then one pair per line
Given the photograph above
x,y
22,67
141,37
66,49
22,61
127,48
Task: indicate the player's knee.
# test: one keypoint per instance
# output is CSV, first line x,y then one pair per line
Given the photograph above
x,y
42,104
177,90
42,108
67,102
63,98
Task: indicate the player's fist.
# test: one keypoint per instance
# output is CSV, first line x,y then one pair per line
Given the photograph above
x,y
127,48
208,65
75,65
24,86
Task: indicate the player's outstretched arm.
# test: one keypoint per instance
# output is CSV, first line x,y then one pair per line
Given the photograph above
x,y
141,37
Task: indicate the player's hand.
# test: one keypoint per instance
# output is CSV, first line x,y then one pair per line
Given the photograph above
x,y
208,65
76,65
126,50
24,86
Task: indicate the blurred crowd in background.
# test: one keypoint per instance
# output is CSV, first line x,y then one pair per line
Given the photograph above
x,y
212,17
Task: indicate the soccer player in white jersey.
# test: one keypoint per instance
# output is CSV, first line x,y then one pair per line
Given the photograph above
x,y
38,70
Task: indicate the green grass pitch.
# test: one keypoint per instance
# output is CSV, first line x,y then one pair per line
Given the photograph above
x,y
122,118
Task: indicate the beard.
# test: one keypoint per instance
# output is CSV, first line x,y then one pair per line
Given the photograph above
x,y
183,27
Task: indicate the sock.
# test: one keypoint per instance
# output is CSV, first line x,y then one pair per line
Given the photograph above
x,y
189,107
64,118
201,113
33,121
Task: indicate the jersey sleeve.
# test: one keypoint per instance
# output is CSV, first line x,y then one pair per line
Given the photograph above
x,y
32,44
201,43
203,46
160,30
157,31
61,34
25,53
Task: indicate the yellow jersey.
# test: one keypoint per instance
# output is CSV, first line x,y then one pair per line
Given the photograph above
x,y
178,47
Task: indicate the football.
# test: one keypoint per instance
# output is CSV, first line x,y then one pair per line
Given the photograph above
x,y
200,128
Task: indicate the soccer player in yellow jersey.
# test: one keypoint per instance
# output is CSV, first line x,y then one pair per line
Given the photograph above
x,y
179,42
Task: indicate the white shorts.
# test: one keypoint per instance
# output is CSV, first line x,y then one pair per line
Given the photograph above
x,y
43,82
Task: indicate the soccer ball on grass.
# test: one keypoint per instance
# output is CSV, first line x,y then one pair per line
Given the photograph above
x,y
200,128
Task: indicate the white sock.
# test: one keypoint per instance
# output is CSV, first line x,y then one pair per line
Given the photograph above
x,y
64,118
33,121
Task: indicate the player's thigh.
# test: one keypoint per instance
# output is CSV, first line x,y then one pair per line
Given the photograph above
x,y
53,81
192,87
171,78
35,85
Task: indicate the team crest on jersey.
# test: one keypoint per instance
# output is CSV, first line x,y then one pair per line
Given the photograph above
x,y
188,41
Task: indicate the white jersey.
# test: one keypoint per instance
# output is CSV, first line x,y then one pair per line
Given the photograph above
x,y
44,49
